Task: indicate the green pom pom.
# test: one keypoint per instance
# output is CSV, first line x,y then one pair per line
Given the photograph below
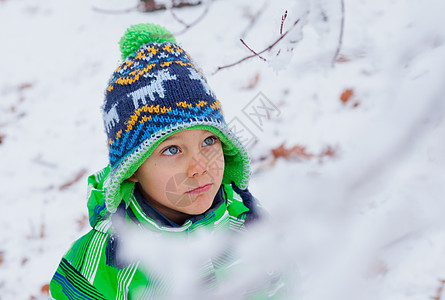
x,y
137,35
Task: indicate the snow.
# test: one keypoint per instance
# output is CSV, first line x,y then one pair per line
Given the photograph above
x,y
365,223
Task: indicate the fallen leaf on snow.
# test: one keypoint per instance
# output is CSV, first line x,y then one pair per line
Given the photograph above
x,y
253,81
76,178
296,152
346,95
439,290
82,222
45,289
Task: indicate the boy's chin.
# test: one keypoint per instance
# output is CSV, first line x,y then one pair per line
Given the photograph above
x,y
199,206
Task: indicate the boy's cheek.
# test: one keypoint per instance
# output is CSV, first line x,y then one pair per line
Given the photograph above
x,y
179,183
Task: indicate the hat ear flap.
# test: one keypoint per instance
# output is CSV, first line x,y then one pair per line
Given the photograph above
x,y
250,202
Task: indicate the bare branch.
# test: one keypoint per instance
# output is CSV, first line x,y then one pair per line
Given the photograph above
x,y
259,53
340,38
252,50
186,25
178,19
254,19
283,18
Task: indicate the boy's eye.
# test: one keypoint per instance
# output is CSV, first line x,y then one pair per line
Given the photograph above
x,y
209,141
172,150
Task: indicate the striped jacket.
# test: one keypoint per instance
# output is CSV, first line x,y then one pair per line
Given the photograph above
x,y
89,269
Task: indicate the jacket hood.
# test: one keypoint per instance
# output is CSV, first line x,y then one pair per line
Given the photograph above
x,y
99,216
97,211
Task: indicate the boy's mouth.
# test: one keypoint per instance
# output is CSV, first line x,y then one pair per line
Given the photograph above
x,y
201,189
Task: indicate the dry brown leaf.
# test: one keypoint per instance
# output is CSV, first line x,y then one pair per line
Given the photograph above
x,y
45,289
2,137
267,165
439,290
296,152
25,86
346,95
2,254
76,178
253,81
42,231
342,58
329,151
378,268
82,222
24,261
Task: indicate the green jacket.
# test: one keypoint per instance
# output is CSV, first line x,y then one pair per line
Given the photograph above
x,y
89,271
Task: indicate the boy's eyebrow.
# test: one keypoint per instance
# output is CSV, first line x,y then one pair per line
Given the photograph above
x,y
172,137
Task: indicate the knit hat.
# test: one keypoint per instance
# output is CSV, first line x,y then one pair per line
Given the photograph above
x,y
157,91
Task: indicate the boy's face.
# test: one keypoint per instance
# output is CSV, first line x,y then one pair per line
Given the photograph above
x,y
183,174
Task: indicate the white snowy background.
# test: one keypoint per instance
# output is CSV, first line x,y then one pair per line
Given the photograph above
x,y
363,220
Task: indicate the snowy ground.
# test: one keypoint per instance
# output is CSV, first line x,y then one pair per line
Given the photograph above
x,y
362,221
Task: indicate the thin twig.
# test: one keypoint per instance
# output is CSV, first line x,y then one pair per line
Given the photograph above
x,y
283,18
340,38
259,53
177,18
252,50
254,19
186,25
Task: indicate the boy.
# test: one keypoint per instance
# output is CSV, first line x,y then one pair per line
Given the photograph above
x,y
174,166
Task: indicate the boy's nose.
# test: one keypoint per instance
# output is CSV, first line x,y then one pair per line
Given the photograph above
x,y
197,165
